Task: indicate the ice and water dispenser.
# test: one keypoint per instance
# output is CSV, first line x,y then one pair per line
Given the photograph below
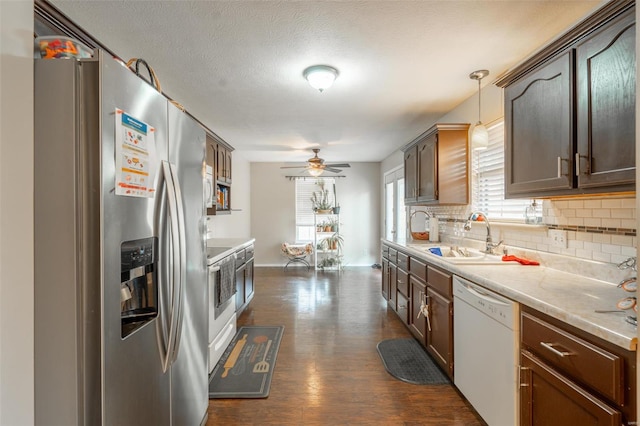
x,y
138,283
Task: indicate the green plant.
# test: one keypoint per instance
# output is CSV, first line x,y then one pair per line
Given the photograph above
x,y
320,200
329,262
334,242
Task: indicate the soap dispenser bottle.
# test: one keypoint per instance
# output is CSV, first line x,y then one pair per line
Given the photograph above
x,y
434,232
533,213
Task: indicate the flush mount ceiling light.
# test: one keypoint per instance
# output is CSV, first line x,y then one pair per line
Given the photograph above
x,y
320,76
480,135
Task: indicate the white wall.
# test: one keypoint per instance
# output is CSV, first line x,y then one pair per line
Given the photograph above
x,y
273,215
16,213
238,223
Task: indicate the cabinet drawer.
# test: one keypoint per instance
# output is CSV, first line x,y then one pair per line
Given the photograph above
x,y
418,269
240,258
440,281
403,261
403,282
249,252
403,308
385,252
393,253
593,366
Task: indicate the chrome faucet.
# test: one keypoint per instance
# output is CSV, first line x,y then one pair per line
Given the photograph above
x,y
490,246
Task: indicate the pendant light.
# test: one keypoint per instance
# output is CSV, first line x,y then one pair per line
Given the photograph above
x,y
320,77
480,135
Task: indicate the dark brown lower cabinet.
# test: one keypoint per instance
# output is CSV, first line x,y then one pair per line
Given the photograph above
x,y
240,296
403,308
393,287
549,398
570,377
245,286
385,279
440,334
249,288
417,323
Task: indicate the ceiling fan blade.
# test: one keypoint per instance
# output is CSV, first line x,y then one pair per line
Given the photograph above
x,y
293,167
338,165
330,169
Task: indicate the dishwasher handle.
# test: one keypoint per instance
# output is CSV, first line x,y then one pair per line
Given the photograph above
x,y
484,295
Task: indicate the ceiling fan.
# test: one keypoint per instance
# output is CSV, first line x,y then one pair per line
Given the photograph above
x,y
316,166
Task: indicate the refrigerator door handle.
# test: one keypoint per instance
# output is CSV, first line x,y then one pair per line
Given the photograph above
x,y
164,318
174,259
182,243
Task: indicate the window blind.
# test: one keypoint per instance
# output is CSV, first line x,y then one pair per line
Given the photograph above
x,y
304,190
488,179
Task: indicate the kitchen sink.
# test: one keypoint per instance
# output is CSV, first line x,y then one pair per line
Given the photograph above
x,y
462,256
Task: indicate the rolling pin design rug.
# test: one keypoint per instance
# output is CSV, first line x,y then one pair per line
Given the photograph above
x,y
246,367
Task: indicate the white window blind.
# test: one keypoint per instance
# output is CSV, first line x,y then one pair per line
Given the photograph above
x,y
304,207
488,179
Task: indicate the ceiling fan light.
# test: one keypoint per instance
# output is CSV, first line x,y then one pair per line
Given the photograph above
x,y
480,136
320,77
315,171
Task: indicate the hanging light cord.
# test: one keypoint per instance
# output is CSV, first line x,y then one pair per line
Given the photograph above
x,y
479,99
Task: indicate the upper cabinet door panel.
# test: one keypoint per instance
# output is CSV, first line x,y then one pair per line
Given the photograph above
x,y
410,175
428,171
539,134
606,92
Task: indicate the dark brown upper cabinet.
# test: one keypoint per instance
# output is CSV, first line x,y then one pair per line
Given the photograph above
x,y
606,94
219,159
436,166
539,131
570,111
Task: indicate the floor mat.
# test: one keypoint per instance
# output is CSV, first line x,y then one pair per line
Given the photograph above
x,y
406,360
246,366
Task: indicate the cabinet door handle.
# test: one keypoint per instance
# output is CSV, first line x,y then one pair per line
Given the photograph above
x,y
550,347
578,157
520,372
427,314
560,160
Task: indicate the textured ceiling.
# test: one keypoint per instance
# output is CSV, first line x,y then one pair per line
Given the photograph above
x,y
237,65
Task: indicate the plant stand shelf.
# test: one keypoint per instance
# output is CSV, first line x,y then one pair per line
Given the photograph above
x,y
327,242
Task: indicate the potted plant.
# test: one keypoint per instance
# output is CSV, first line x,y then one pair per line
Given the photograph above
x,y
320,201
333,224
334,242
329,262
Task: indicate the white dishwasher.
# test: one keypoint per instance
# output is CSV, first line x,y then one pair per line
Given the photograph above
x,y
485,336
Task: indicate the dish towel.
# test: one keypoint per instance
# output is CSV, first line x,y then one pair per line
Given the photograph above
x,y
519,260
226,285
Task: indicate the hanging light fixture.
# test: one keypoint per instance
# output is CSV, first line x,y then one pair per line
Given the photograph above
x,y
480,135
315,171
320,76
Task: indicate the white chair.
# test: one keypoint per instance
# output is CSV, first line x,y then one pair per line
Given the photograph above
x,y
297,253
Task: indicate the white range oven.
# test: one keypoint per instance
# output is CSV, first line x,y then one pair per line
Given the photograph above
x,y
222,316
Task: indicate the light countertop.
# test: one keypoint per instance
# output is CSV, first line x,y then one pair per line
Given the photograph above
x,y
219,248
569,297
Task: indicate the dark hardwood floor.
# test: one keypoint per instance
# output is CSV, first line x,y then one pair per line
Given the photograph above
x,y
328,371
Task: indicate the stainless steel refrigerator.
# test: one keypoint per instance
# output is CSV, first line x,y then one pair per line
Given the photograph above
x,y
120,263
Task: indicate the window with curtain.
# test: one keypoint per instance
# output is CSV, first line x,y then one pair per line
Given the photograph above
x,y
488,179
305,188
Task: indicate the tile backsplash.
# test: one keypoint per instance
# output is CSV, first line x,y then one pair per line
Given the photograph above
x,y
602,229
